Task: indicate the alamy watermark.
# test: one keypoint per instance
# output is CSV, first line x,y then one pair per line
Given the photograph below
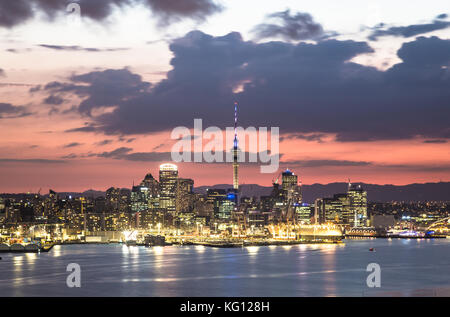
x,y
74,278
374,278
73,11
214,145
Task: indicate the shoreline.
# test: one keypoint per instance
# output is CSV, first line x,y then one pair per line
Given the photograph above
x,y
223,244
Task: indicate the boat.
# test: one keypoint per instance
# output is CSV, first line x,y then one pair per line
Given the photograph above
x,y
151,240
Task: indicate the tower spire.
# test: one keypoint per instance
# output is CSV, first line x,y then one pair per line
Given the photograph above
x,y
235,151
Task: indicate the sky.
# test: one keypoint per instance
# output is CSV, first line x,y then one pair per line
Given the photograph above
x,y
358,89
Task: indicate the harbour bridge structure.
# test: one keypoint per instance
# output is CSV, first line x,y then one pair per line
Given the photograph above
x,y
441,225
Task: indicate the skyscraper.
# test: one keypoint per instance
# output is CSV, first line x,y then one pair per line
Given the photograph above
x,y
112,199
357,204
290,187
184,195
168,177
347,209
151,183
139,198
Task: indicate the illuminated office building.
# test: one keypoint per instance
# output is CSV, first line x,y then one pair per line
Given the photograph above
x,y
184,195
357,205
348,209
112,199
168,178
290,187
223,202
303,213
152,184
139,198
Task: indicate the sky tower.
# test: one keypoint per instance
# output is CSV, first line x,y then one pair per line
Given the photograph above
x,y
235,152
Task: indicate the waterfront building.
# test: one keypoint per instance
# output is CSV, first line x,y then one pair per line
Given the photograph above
x,y
357,205
303,213
347,209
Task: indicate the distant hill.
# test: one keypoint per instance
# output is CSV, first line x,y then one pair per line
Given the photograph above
x,y
379,193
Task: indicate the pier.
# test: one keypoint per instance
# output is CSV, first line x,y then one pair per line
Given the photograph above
x,y
28,248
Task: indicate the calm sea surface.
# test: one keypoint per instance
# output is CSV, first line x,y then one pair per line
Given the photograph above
x,y
408,268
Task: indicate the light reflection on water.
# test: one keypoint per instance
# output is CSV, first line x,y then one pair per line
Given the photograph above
x,y
302,270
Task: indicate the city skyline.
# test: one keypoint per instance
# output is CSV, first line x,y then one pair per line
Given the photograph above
x,y
361,98
231,155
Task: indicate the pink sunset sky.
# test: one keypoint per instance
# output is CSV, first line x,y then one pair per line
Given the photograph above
x,y
74,136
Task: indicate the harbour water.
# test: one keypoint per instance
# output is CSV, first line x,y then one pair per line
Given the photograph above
x,y
408,268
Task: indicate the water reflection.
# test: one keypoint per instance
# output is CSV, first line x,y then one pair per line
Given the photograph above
x,y
158,251
330,266
31,257
56,251
252,250
300,270
200,248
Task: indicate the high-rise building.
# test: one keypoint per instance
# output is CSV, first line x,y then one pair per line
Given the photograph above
x,y
168,178
185,195
348,209
290,187
333,209
223,202
357,205
303,213
152,184
112,199
124,200
139,198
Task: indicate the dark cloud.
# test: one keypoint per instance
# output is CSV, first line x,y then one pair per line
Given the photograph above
x,y
299,26
8,111
35,88
83,129
125,153
119,152
324,163
16,51
301,88
174,10
410,30
73,144
314,137
431,168
2,73
14,85
15,12
70,156
435,141
371,165
104,142
83,49
53,100
442,16
107,88
34,161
